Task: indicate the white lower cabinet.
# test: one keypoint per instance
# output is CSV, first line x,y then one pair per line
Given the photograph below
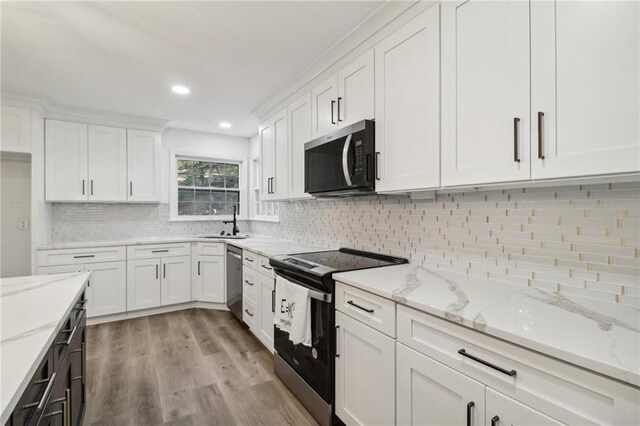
x,y
365,374
107,288
143,284
208,283
502,411
249,313
266,293
175,286
430,393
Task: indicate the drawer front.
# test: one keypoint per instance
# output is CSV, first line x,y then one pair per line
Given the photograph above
x,y
250,313
209,249
264,267
61,269
375,311
158,250
26,411
564,392
250,259
80,256
249,283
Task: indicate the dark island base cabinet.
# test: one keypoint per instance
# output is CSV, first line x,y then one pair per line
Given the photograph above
x,y
56,395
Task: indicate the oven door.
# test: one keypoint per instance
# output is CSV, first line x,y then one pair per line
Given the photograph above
x,y
341,161
314,364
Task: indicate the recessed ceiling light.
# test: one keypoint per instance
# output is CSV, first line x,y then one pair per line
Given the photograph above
x,y
181,90
225,125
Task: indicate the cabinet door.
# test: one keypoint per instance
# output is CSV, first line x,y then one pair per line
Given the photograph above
x,y
323,107
176,280
365,376
430,393
279,185
585,88
143,284
267,159
355,91
107,163
266,294
504,411
107,289
143,165
66,161
209,275
408,106
299,123
16,130
78,362
485,91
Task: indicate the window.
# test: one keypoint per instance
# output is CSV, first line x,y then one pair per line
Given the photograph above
x,y
207,187
262,210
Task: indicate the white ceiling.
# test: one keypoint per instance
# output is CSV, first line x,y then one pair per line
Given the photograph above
x,y
123,57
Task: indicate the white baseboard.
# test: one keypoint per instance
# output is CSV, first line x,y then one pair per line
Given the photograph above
x,y
155,311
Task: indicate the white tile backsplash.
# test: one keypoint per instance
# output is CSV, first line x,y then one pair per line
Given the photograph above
x,y
576,238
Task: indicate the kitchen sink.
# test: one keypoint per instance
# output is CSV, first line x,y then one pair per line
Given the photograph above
x,y
225,237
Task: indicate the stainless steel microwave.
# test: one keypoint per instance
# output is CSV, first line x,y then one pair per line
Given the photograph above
x,y
342,163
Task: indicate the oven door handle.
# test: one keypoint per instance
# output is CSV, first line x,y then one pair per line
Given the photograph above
x,y
345,161
314,294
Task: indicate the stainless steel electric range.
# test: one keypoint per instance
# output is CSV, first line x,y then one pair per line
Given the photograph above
x,y
309,371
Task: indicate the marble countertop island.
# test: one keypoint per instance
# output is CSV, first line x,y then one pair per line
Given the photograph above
x,y
267,246
32,312
600,336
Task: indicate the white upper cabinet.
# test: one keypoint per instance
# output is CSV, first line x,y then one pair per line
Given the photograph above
x,y
407,106
16,130
585,88
299,121
356,91
273,157
267,159
323,107
107,149
66,161
344,98
143,166
485,92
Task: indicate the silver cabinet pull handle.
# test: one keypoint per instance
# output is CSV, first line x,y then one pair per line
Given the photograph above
x,y
70,338
540,134
45,395
516,154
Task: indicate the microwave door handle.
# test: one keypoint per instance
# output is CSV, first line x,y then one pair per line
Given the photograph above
x,y
345,161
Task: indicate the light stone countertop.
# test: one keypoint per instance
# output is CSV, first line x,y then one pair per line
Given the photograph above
x,y
267,246
33,310
596,335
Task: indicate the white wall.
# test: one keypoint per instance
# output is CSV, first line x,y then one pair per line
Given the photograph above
x,y
15,200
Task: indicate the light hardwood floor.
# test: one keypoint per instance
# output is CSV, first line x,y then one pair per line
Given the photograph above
x,y
192,367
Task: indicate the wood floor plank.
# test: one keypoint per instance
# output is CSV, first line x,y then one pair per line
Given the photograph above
x,y
192,367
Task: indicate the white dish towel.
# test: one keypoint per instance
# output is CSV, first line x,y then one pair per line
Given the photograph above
x,y
293,311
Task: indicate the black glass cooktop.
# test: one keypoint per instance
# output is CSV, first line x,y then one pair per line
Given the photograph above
x,y
347,259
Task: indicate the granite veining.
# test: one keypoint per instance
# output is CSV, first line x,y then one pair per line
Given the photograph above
x,y
600,336
33,310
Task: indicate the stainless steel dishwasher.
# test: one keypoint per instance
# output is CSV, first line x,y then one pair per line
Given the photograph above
x,y
234,281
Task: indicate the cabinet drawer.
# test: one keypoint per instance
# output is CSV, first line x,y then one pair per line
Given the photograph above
x,y
264,267
250,312
562,391
249,282
209,249
373,310
158,250
60,269
80,255
250,259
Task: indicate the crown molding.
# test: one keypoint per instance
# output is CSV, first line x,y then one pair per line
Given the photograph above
x,y
380,23
48,109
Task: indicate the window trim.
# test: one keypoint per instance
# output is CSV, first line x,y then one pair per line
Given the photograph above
x,y
173,186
